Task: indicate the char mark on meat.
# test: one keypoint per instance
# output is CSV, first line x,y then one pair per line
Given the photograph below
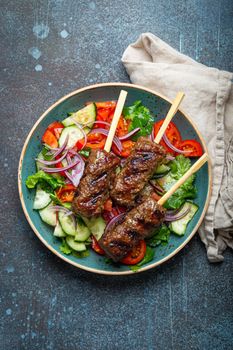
x,y
139,223
93,189
137,170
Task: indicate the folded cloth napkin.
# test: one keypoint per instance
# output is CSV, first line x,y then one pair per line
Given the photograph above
x,y
152,63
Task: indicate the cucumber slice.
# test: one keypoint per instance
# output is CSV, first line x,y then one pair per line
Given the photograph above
x,y
162,169
179,226
96,226
42,199
82,232
78,247
74,134
83,116
48,215
67,223
58,231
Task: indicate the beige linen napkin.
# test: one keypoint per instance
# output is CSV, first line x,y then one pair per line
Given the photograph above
x,y
209,102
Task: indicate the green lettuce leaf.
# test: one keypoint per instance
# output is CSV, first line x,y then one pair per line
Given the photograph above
x,y
64,248
179,167
161,236
46,181
140,118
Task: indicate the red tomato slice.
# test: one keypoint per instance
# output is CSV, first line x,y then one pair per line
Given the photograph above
x,y
107,104
102,115
193,146
172,134
136,254
50,139
55,125
96,247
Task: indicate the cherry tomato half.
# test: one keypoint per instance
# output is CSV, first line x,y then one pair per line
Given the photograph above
x,y
193,146
96,247
136,254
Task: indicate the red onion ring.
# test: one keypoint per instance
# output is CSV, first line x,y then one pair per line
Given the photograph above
x,y
58,170
131,133
177,216
169,157
59,207
58,150
170,145
52,162
77,173
157,188
114,220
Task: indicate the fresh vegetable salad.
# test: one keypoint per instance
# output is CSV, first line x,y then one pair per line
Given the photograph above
x,y
66,146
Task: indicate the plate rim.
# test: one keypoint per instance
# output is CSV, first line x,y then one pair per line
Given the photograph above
x,y
66,259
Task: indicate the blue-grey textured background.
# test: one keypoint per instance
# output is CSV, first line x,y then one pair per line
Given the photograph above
x,y
49,48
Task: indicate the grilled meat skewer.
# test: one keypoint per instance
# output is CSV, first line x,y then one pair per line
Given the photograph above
x,y
137,170
93,189
138,224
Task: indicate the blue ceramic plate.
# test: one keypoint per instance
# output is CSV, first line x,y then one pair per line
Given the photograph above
x,y
159,107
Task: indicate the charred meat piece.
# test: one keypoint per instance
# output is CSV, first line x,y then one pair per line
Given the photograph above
x,y
137,170
93,189
138,224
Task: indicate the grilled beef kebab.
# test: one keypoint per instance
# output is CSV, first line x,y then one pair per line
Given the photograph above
x,y
137,224
93,189
137,170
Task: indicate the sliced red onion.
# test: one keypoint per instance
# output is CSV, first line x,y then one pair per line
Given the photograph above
x,y
68,213
131,133
177,216
157,187
56,151
52,162
113,221
62,148
59,207
69,161
58,170
67,181
170,145
69,177
77,172
82,131
169,157
105,132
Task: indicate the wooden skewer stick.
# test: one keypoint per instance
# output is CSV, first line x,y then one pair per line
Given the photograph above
x,y
172,111
115,119
180,182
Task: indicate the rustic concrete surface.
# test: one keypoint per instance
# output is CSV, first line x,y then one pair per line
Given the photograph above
x,y
49,48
